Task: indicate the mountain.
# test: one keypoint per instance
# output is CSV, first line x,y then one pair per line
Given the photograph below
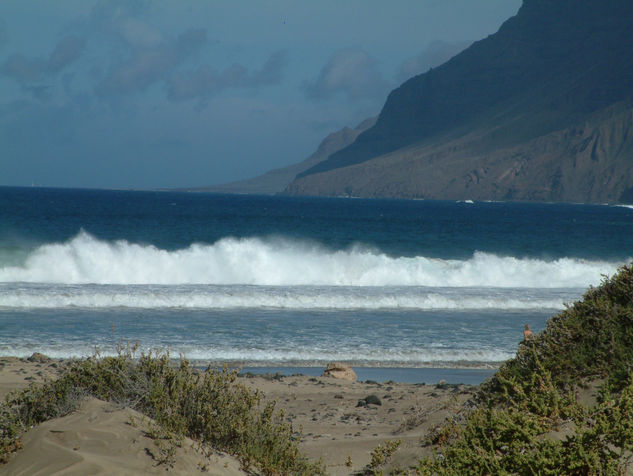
x,y
276,180
541,110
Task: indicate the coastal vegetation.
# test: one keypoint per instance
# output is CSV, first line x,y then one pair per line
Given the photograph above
x,y
208,406
563,405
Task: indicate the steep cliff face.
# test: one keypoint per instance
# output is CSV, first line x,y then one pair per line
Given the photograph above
x,y
591,161
550,69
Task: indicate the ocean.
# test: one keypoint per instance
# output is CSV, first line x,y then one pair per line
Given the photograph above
x,y
291,282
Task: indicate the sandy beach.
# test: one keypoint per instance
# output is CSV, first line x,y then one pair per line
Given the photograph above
x,y
338,430
336,424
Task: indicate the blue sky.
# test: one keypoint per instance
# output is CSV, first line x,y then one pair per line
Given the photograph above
x,y
140,94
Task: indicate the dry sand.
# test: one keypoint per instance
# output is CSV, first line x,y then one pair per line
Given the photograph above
x,y
100,439
336,429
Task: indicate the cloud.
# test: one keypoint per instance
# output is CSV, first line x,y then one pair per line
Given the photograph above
x,y
139,34
24,69
122,18
437,53
272,70
351,72
66,52
27,70
206,80
41,92
150,65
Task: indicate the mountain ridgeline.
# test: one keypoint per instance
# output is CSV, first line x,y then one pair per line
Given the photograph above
x,y
541,110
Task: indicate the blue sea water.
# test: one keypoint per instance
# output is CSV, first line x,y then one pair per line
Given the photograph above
x,y
287,281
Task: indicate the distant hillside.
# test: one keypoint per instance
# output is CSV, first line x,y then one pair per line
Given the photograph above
x,y
591,161
276,180
538,111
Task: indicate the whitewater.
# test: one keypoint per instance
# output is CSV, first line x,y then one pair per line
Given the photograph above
x,y
278,262
293,282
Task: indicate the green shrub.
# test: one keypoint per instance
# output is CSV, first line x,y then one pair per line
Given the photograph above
x,y
380,455
509,429
207,406
590,339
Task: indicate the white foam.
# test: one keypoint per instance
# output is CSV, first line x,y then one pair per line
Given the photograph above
x,y
307,357
26,296
277,262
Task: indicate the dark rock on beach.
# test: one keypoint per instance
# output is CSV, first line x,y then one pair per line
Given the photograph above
x,y
39,358
369,400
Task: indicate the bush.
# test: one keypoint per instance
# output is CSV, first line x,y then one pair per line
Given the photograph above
x,y
209,407
509,429
591,339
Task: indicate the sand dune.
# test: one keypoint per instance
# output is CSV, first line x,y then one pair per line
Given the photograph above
x,y
98,439
103,439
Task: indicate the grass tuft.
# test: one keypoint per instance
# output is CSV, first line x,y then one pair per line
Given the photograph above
x,y
210,407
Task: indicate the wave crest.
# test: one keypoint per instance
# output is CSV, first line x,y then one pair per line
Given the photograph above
x,y
278,262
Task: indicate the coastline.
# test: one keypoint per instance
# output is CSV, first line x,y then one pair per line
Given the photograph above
x,y
411,375
333,423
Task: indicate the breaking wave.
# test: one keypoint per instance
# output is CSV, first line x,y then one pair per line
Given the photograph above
x,y
277,262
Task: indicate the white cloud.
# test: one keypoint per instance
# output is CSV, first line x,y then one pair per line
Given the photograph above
x,y
437,53
350,72
206,80
151,65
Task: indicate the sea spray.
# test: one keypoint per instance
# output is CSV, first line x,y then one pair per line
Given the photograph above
x,y
408,358
283,262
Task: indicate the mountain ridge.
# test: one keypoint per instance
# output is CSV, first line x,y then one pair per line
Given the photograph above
x,y
589,161
551,68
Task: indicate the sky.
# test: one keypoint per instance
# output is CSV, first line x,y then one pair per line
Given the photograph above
x,y
185,93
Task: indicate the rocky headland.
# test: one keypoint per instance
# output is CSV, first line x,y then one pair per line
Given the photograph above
x,y
541,110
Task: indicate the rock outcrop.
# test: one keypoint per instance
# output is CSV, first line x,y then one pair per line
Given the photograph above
x,y
591,161
340,371
39,358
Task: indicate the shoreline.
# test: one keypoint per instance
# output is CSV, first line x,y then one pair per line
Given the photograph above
x,y
467,373
408,375
327,411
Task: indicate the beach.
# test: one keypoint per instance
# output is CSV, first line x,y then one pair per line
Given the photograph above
x,y
410,293
340,431
100,437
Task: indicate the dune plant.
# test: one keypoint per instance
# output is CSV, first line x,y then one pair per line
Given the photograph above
x,y
210,407
593,338
380,455
526,418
